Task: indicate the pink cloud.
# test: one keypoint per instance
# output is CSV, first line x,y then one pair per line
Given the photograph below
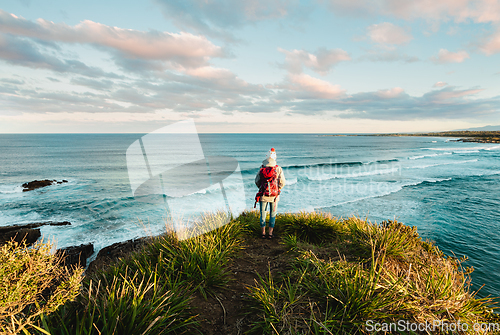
x,y
388,33
391,93
183,48
221,78
316,88
321,62
442,10
440,84
209,72
447,94
492,45
445,56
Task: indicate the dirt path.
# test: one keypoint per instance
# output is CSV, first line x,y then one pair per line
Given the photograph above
x,y
226,313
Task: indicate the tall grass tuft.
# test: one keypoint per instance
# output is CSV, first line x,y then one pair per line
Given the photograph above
x,y
197,263
250,222
310,227
395,276
278,305
149,291
128,304
33,281
391,237
346,293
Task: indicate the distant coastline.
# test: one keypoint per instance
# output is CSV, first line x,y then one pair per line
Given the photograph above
x,y
463,136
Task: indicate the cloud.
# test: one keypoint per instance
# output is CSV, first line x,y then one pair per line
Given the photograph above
x,y
196,91
395,104
388,33
390,93
355,7
100,85
218,17
445,56
307,87
23,52
12,81
387,36
383,55
491,45
321,62
171,71
482,11
440,84
182,48
449,93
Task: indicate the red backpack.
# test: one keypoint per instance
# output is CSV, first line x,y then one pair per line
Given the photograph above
x,y
268,183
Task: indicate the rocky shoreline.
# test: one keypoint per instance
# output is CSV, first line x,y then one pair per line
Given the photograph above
x,y
27,232
479,140
74,255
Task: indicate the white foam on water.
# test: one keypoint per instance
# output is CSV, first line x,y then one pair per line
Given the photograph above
x,y
11,189
11,218
426,180
466,152
204,191
466,149
493,148
352,175
440,164
425,156
390,189
356,200
291,181
66,236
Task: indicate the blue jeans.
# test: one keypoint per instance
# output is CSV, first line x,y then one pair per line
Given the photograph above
x,y
273,208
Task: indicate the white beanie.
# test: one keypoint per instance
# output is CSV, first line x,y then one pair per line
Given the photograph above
x,y
271,154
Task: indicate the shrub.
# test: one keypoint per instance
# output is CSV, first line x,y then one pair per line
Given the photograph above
x,y
397,276
310,227
33,282
128,304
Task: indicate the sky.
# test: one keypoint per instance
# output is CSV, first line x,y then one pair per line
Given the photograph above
x,y
249,66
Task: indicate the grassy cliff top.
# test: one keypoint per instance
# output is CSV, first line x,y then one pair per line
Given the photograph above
x,y
320,275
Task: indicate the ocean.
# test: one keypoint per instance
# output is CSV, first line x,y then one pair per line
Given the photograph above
x,y
448,189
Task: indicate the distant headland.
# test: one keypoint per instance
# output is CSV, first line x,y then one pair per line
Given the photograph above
x,y
462,135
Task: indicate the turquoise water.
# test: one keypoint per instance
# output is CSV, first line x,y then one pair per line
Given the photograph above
x,y
448,189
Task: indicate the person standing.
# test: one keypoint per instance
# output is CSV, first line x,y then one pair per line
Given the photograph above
x,y
270,180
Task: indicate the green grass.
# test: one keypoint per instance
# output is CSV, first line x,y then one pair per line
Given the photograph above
x,y
33,282
341,273
311,227
149,291
347,272
129,304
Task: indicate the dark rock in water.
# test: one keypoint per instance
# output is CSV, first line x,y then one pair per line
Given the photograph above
x,y
6,229
33,185
116,251
28,234
62,223
77,256
27,231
